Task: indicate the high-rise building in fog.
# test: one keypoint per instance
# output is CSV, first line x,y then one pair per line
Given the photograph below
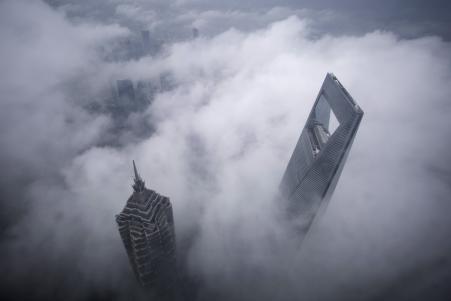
x,y
195,33
320,153
146,226
150,45
125,90
145,35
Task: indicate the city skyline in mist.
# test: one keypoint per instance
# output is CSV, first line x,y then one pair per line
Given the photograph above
x,y
216,136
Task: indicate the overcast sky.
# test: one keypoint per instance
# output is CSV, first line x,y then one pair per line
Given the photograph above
x,y
223,134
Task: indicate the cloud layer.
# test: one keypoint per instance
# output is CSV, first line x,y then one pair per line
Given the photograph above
x,y
223,136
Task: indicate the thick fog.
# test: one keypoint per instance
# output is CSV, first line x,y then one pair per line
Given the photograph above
x,y
216,140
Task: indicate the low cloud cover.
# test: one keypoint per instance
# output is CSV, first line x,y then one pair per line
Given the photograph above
x,y
220,137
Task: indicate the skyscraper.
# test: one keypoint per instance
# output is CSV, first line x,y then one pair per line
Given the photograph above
x,y
145,35
146,227
320,153
125,90
195,33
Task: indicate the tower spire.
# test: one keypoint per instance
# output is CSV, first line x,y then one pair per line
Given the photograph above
x,y
138,186
136,171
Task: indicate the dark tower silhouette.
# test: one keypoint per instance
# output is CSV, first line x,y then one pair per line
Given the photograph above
x,y
195,33
145,35
146,226
125,90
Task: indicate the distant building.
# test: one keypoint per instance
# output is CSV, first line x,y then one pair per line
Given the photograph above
x,y
125,89
320,153
145,35
130,99
124,100
150,45
195,33
144,94
146,226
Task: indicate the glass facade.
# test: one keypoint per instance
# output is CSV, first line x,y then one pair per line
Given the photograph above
x,y
320,153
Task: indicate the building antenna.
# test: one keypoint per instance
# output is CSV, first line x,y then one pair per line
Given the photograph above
x,y
139,184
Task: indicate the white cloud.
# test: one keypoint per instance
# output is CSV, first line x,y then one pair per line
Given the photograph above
x,y
227,130
224,135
